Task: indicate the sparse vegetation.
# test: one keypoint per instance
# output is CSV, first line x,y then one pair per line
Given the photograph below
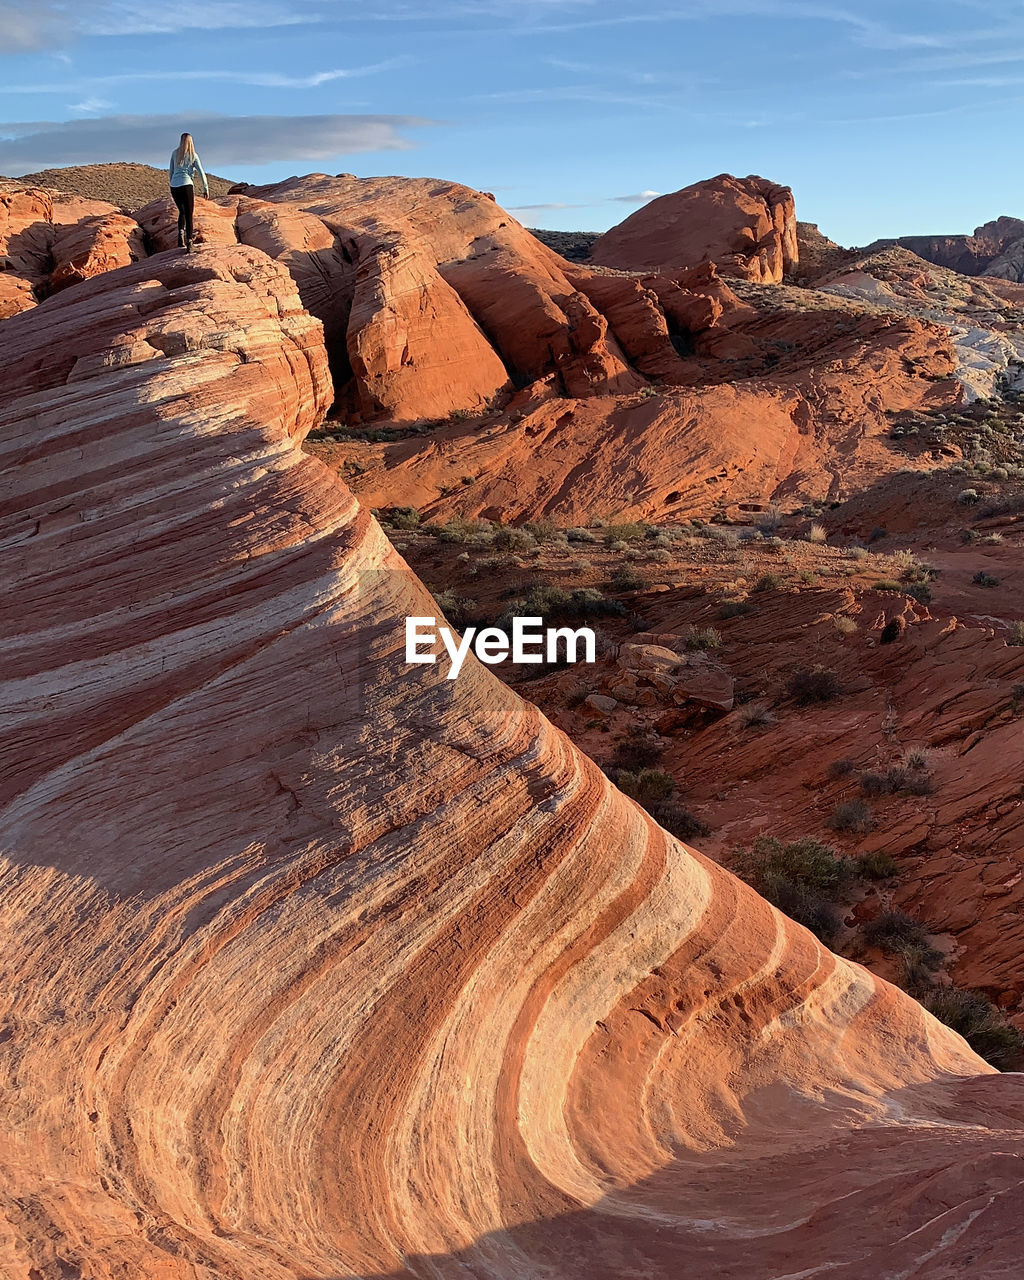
x,y
877,866
819,684
981,1023
678,820
1015,634
803,878
755,715
984,579
817,533
851,815
626,578
700,638
646,786
734,609
770,582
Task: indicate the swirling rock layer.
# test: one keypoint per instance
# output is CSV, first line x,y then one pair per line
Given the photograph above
x,y
316,964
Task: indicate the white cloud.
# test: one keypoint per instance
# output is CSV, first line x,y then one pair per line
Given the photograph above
x,y
534,208
90,106
260,79
226,141
641,197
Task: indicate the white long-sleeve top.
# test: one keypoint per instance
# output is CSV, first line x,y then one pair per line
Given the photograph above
x,y
182,175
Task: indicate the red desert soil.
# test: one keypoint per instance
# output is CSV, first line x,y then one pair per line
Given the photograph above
x,y
316,963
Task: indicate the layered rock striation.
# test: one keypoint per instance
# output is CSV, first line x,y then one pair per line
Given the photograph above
x,y
316,964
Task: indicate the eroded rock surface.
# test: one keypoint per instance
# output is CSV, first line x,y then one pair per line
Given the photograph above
x,y
746,226
316,964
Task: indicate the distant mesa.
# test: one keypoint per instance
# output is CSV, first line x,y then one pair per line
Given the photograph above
x,y
745,226
996,249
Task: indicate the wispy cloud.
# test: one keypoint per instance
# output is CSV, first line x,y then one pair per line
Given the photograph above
x,y
641,197
573,93
91,106
42,24
538,208
256,78
226,141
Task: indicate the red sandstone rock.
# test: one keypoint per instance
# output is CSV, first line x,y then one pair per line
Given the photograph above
x,y
746,226
315,963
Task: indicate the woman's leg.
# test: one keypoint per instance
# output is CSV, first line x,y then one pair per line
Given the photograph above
x,y
189,198
178,194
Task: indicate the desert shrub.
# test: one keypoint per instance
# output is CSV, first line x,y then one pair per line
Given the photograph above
x,y
820,684
581,535
588,602
920,591
897,778
399,517
698,638
915,759
803,878
543,530
845,625
646,786
886,584
540,600
841,768
817,533
508,538
755,715
462,531
891,931
770,582
627,579
736,609
877,866
1015,634
851,815
858,553
457,609
968,497
806,862
634,754
981,1023
877,534
769,519
678,820
893,630
983,579
631,531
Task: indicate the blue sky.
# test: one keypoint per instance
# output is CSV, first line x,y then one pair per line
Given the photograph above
x,y
885,118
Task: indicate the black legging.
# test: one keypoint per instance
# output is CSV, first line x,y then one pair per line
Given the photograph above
x,y
185,199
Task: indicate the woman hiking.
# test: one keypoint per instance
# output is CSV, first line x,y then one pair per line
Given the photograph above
x,y
184,166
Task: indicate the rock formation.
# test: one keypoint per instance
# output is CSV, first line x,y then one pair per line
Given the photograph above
x,y
49,240
316,964
746,226
993,249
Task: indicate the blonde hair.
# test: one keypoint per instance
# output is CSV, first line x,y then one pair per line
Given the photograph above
x,y
186,148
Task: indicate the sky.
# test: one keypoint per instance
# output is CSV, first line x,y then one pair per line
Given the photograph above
x,y
886,119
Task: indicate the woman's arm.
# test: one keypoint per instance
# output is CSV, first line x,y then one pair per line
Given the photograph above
x,y
206,185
